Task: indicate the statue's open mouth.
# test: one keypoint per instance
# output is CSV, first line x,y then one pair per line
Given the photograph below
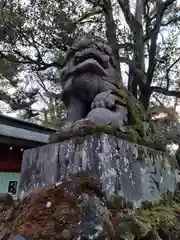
x,y
90,65
88,60
94,54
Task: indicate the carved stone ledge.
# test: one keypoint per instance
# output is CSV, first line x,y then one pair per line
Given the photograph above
x,y
85,127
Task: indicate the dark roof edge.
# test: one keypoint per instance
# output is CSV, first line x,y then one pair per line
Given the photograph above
x,y
24,124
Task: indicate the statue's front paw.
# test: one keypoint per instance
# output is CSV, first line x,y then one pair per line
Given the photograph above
x,y
104,100
99,104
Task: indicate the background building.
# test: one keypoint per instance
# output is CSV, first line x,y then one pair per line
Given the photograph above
x,y
16,136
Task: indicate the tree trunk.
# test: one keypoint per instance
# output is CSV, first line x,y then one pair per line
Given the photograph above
x,y
111,31
145,96
146,87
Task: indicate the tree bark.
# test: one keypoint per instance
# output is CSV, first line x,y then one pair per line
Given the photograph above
x,y
146,88
135,25
165,91
111,30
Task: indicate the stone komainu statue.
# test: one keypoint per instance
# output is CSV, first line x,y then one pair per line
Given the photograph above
x,y
91,84
93,90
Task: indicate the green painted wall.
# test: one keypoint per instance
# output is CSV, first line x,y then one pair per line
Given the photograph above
x,y
5,177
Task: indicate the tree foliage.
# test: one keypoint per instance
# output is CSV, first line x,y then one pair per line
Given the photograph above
x,y
144,36
12,89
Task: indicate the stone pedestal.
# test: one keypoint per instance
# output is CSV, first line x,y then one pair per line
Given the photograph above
x,y
131,171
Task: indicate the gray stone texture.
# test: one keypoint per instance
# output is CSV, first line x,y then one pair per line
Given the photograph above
x,y
94,216
124,169
89,81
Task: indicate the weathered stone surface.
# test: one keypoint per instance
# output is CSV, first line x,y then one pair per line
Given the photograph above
x,y
124,169
86,127
66,234
67,218
94,217
105,116
92,88
88,71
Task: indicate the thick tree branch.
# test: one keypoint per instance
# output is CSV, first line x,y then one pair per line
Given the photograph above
x,y
130,18
39,65
167,3
34,43
89,14
125,45
157,99
173,20
139,10
153,46
159,12
4,97
132,66
166,92
135,24
169,69
146,88
160,8
111,29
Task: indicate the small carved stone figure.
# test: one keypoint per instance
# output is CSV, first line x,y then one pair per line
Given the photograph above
x,y
89,83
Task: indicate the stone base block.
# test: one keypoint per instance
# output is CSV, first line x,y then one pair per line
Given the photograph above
x,y
124,169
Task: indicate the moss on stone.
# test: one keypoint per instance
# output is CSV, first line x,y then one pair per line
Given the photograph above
x,y
104,129
152,221
128,133
163,219
133,131
136,111
163,216
155,215
78,140
137,116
